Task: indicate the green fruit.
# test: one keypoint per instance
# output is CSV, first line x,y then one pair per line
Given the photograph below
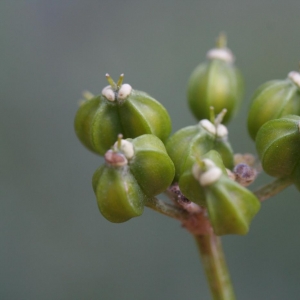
x,y
188,183
278,144
230,206
119,109
216,83
192,142
273,100
119,196
151,165
135,170
187,143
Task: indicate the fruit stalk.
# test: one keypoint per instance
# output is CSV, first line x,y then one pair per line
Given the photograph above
x,y
167,209
269,190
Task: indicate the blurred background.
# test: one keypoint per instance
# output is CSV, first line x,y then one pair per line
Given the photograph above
x,y
54,242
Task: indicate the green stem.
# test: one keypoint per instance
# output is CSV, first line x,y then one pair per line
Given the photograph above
x,y
211,252
209,245
273,188
210,249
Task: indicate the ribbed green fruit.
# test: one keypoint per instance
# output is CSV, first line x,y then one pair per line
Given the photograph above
x,y
186,144
230,206
151,165
119,109
278,145
216,83
189,185
119,196
135,170
192,142
273,100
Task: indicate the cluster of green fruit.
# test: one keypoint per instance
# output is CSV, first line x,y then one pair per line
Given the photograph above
x,y
274,124
145,161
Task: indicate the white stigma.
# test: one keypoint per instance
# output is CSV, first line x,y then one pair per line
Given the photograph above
x,y
208,163
109,93
210,176
220,53
295,77
222,131
126,148
196,171
209,126
124,91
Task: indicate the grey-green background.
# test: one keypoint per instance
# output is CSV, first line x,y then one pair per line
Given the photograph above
x,y
54,242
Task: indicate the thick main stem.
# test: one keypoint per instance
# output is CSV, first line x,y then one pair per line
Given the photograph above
x,y
211,252
209,245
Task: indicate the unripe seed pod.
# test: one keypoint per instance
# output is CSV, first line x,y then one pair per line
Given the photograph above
x,y
231,207
273,100
151,165
189,180
135,169
216,83
119,196
119,109
278,145
190,142
193,141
